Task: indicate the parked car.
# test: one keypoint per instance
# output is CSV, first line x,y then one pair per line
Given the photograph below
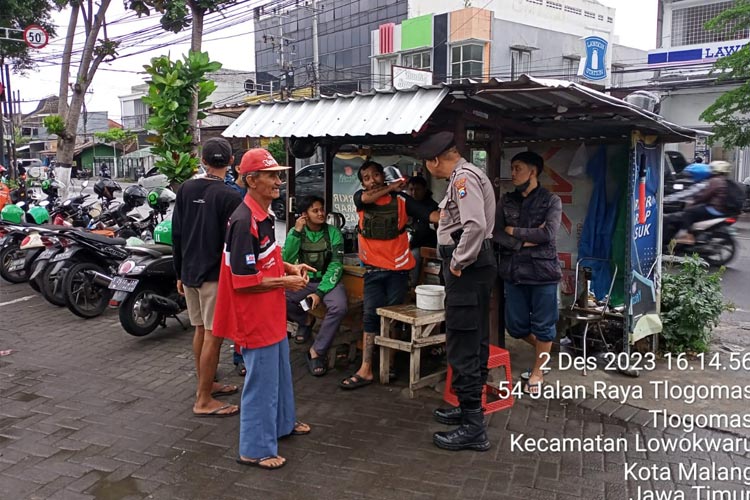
x,y
309,180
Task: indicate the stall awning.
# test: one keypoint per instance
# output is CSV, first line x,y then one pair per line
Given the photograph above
x,y
528,109
358,114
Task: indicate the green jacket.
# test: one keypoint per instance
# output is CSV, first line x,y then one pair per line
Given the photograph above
x,y
328,277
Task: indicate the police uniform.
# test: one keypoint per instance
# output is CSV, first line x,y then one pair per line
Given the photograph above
x,y
467,218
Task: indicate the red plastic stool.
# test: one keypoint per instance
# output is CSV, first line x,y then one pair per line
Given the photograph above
x,y
498,357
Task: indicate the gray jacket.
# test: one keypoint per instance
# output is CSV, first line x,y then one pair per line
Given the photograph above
x,y
535,220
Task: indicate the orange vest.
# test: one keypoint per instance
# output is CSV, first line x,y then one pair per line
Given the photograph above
x,y
393,254
4,195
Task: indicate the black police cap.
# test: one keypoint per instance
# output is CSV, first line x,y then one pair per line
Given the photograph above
x,y
435,145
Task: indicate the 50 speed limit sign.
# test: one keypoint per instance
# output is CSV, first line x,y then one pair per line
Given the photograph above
x,y
35,36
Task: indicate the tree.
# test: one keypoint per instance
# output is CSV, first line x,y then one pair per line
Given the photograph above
x,y
17,14
177,15
730,114
174,86
119,136
94,52
278,151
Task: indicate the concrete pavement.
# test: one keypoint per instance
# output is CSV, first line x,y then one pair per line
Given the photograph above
x,y
89,412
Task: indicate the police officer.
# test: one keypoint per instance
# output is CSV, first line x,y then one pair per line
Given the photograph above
x,y
467,217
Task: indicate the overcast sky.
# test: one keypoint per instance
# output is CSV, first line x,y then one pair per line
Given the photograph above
x,y
635,25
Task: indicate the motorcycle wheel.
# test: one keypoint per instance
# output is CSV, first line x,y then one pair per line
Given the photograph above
x,y
136,316
84,298
720,250
51,290
7,255
34,284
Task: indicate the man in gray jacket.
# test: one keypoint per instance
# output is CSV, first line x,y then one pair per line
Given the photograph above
x,y
526,224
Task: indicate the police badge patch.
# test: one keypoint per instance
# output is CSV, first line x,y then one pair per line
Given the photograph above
x,y
460,186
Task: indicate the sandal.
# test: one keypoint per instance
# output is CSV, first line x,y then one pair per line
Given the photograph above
x,y
533,390
300,429
527,374
225,390
241,370
259,463
316,366
220,412
354,382
303,333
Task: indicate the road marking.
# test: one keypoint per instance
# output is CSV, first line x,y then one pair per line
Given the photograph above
x,y
22,299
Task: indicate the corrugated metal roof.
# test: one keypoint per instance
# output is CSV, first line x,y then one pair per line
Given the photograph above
x,y
359,114
526,109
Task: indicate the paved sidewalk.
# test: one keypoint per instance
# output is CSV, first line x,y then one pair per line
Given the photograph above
x,y
87,411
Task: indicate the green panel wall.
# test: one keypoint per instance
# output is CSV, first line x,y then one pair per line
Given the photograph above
x,y
416,32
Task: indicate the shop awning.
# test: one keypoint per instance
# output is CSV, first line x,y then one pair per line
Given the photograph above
x,y
358,114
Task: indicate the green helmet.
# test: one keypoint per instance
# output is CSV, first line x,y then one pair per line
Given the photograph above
x,y
12,213
39,215
163,233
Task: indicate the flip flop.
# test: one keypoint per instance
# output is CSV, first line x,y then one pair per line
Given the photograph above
x,y
296,432
316,366
527,388
259,463
354,382
226,390
217,413
527,374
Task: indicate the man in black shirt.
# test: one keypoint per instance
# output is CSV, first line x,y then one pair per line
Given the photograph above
x,y
199,221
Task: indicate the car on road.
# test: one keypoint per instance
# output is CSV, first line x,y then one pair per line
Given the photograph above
x,y
309,180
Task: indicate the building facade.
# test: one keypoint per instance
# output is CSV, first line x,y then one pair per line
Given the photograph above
x,y
284,44
478,44
683,60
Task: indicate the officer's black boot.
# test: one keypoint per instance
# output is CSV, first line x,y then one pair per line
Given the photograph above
x,y
448,416
470,435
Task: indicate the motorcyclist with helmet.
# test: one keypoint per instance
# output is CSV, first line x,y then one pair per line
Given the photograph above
x,y
707,201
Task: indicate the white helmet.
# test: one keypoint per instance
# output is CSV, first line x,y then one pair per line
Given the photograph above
x,y
720,167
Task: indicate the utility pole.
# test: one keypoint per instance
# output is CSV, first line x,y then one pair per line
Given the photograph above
x,y
316,54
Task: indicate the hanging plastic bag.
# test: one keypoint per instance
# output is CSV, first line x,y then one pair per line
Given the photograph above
x,y
578,164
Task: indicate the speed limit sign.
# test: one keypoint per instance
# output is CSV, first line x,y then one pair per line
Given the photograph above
x,y
35,36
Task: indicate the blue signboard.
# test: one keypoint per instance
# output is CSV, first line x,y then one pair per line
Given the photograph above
x,y
596,58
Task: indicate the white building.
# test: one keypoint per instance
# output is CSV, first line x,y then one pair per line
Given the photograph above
x,y
686,54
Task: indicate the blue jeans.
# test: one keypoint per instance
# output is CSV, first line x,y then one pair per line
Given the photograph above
x,y
267,405
382,288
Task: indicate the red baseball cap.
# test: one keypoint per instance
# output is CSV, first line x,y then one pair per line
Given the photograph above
x,y
258,159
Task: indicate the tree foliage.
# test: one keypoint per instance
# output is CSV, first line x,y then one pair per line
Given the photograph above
x,y
173,88
117,136
18,14
730,114
278,151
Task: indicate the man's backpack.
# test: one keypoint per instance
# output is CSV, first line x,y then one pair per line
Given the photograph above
x,y
735,197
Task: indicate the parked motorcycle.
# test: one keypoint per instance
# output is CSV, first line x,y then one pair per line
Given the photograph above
x,y
146,286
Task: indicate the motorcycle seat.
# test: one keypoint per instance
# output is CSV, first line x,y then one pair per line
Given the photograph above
x,y
101,239
155,250
705,224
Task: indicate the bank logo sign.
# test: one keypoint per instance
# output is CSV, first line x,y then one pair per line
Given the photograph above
x,y
595,67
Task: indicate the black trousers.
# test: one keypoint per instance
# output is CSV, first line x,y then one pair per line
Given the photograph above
x,y
467,322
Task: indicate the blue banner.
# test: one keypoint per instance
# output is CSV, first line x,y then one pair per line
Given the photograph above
x,y
596,58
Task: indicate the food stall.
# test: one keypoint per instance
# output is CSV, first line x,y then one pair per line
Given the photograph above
x,y
603,156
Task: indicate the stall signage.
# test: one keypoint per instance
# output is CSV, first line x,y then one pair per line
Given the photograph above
x,y
595,65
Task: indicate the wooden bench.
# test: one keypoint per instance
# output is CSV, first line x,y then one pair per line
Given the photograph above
x,y
422,329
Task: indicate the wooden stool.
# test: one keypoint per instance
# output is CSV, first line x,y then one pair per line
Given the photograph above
x,y
498,357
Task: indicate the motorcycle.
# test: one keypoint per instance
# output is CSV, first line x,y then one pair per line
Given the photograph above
x,y
746,206
89,253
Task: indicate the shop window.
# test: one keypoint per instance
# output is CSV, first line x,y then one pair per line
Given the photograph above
x,y
467,61
570,68
417,60
688,25
520,62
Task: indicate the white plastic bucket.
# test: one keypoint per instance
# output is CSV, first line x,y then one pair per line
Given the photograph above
x,y
430,297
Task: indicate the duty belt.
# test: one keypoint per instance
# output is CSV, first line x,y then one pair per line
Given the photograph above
x,y
446,251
